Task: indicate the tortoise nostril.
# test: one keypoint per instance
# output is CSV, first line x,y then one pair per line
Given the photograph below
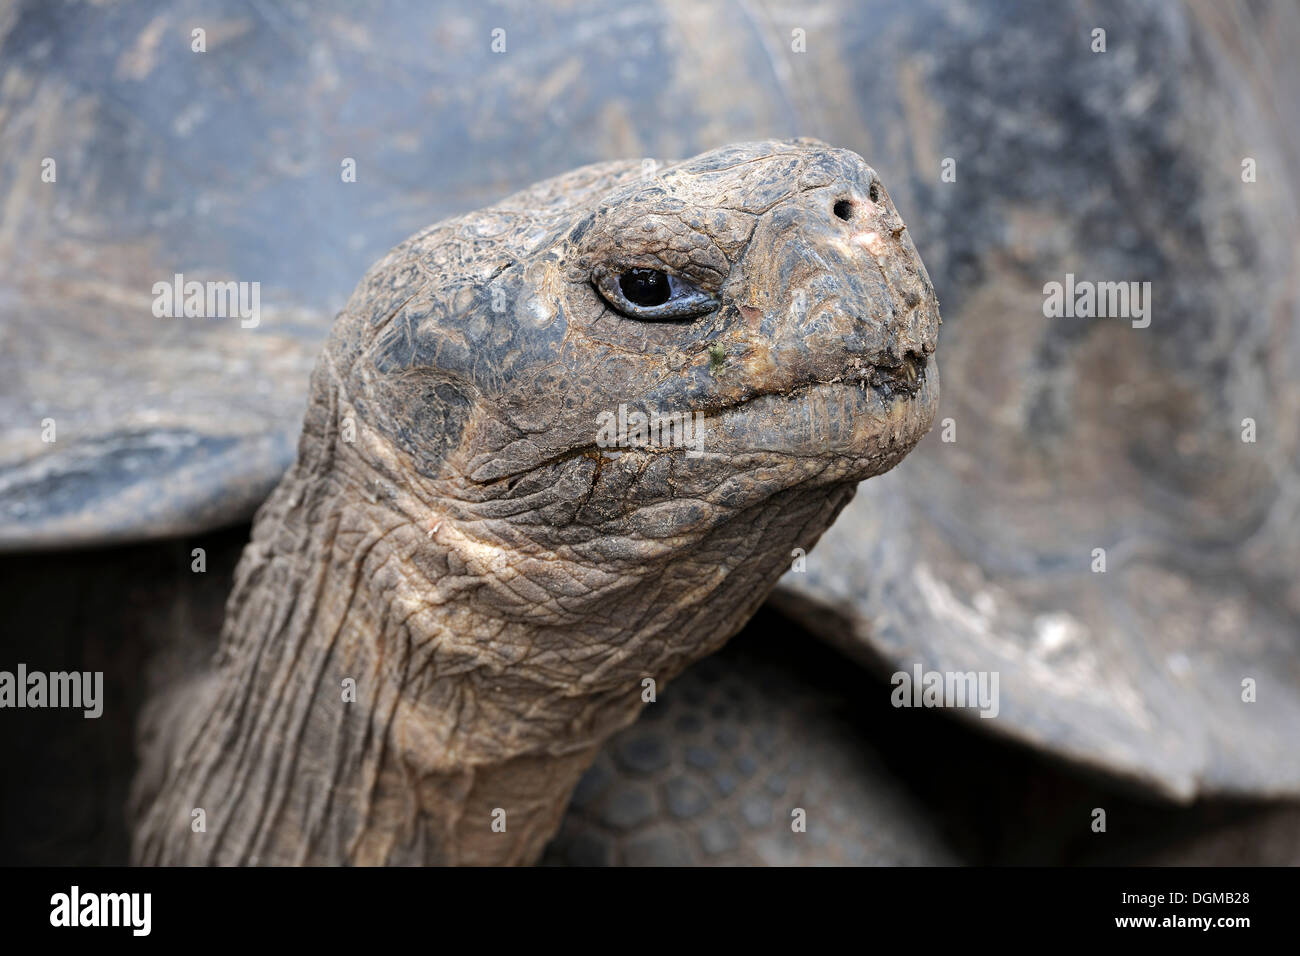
x,y
874,192
844,209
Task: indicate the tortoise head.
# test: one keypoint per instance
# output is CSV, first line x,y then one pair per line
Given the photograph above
x,y
635,363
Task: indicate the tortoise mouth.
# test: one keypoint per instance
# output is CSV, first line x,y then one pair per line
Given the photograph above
x,y
888,376
871,412
905,378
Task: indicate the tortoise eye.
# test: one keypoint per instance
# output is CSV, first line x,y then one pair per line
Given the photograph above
x,y
652,295
645,287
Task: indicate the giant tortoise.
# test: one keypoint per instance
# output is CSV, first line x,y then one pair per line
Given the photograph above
x,y
1103,515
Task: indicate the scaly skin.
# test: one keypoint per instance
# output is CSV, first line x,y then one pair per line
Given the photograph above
x,y
498,586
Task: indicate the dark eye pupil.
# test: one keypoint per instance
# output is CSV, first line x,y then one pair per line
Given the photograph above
x,y
645,286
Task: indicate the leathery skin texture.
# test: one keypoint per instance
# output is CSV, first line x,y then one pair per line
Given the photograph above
x,y
458,592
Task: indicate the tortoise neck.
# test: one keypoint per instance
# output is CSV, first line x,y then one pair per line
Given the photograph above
x,y
353,718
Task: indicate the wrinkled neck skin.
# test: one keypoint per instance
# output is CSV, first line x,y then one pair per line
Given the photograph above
x,y
487,666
